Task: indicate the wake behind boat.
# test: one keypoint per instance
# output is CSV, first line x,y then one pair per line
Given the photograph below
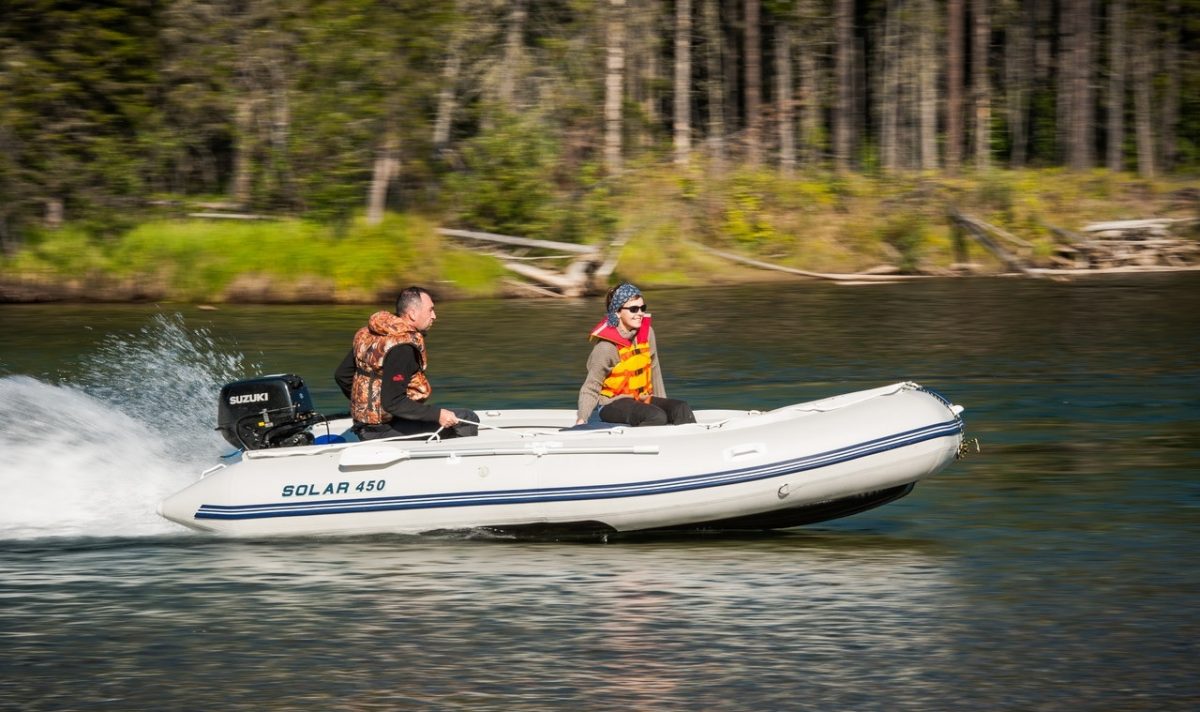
x,y
530,472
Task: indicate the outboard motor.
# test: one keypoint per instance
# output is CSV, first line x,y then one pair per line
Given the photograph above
x,y
271,411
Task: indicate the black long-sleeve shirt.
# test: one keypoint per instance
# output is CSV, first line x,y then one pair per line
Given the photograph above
x,y
400,363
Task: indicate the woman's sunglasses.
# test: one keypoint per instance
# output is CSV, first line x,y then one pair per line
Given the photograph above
x,y
637,308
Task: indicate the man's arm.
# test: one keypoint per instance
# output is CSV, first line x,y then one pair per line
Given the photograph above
x,y
344,375
399,366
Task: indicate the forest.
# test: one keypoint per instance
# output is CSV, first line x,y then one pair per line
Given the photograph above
x,y
550,118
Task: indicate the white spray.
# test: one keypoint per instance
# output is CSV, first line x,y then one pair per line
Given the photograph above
x,y
93,458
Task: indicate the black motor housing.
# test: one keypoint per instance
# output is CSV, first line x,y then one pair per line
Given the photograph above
x,y
270,411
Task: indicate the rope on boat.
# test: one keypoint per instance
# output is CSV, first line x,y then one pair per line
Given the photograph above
x,y
436,434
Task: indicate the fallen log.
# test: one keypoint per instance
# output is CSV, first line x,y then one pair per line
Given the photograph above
x,y
519,241
1126,225
568,285
982,232
526,289
1128,245
612,256
845,278
1127,269
229,216
573,281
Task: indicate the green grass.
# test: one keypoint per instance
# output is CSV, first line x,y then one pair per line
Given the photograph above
x,y
815,221
226,260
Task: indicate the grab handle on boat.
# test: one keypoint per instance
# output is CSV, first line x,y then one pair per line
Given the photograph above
x,y
371,457
745,450
719,423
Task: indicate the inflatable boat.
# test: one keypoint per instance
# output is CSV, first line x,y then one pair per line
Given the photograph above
x,y
533,473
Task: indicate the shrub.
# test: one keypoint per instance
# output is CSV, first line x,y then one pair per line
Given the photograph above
x,y
906,233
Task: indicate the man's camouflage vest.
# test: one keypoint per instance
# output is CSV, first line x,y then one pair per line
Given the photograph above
x,y
371,344
632,374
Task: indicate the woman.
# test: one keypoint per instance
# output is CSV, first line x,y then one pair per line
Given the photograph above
x,y
623,373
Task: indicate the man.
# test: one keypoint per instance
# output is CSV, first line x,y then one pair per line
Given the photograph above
x,y
383,375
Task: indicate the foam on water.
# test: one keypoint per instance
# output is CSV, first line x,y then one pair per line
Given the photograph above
x,y
93,458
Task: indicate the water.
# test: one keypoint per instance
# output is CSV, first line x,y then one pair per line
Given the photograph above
x,y
1057,569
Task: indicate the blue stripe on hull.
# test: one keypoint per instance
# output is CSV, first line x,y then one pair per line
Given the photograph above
x,y
562,494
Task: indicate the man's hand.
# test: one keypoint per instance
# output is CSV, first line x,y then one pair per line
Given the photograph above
x,y
447,419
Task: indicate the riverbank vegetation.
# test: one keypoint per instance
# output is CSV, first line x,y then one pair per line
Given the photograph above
x,y
674,225
257,150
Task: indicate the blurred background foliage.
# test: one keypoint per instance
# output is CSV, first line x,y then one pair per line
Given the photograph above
x,y
133,132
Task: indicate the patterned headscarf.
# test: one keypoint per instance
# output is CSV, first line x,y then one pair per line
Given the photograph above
x,y
624,293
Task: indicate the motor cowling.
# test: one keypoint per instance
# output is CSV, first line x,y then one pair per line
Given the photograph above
x,y
264,412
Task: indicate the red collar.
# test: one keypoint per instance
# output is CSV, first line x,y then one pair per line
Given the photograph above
x,y
611,333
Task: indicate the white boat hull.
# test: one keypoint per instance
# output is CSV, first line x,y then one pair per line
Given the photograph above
x,y
527,473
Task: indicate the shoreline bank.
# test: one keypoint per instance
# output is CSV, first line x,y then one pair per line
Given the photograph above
x,y
665,232
36,291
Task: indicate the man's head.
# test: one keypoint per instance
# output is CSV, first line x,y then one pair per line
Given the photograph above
x,y
626,306
416,304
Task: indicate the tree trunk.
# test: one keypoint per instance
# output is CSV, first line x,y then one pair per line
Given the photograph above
x,y
650,45
1018,51
644,29
858,95
613,86
243,164
844,67
1072,54
1116,86
954,85
1143,120
281,127
513,51
810,105
1042,130
784,99
1085,111
1063,102
889,109
927,85
908,90
715,90
1078,64
447,101
1170,100
683,82
53,219
387,168
980,85
753,84
734,74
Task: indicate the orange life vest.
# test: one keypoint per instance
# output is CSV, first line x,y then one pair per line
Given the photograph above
x,y
371,344
632,376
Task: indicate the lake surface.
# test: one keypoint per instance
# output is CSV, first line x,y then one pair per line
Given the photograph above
x,y
1057,569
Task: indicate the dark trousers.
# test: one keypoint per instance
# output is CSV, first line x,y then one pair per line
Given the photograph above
x,y
659,411
399,426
